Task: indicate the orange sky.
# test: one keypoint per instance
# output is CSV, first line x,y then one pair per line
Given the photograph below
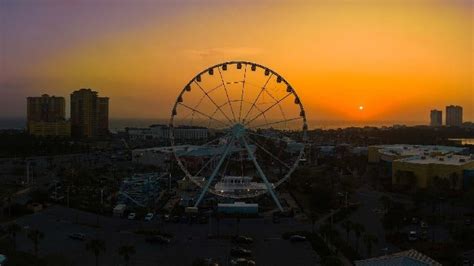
x,y
398,59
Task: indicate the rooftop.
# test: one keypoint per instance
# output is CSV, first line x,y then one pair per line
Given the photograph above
x,y
405,150
450,159
408,257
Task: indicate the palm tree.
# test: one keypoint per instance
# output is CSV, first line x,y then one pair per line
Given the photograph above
x,y
358,230
35,236
369,240
328,231
347,226
12,230
126,251
96,246
313,215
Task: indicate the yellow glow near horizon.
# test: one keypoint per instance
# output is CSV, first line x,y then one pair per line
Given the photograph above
x,y
400,59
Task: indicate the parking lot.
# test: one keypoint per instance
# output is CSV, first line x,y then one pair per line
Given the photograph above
x,y
189,241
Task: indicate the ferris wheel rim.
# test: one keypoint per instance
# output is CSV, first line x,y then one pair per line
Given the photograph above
x,y
196,79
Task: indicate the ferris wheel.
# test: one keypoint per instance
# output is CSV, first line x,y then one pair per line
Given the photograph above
x,y
255,126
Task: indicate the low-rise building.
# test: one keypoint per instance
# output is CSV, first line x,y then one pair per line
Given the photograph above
x,y
389,153
408,257
423,170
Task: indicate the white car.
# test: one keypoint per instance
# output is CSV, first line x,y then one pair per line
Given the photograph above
x,y
149,216
242,262
132,216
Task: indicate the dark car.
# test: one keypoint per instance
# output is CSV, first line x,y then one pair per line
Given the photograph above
x,y
240,252
158,240
77,236
242,240
468,222
297,238
175,219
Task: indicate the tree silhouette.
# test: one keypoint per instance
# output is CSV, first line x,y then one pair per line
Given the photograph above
x,y
358,230
12,230
96,246
126,251
347,226
369,241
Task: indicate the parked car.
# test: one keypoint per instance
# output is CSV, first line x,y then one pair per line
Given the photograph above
x,y
240,252
242,262
242,240
175,219
297,238
412,236
210,262
77,236
166,217
468,222
132,216
149,216
158,240
423,225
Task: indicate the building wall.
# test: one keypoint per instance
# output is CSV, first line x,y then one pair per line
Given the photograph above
x,y
89,114
40,128
453,115
424,173
46,108
436,118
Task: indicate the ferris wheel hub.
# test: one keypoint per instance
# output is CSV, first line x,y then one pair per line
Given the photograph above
x,y
238,130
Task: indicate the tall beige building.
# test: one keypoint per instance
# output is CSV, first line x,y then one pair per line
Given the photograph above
x,y
46,116
46,108
89,114
436,118
453,115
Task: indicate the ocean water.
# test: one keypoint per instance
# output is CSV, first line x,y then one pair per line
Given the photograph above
x,y
117,124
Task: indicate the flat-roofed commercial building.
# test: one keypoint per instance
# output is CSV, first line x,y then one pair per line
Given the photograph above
x,y
389,153
423,170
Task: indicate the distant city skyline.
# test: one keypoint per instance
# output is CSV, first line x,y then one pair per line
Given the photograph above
x,y
361,62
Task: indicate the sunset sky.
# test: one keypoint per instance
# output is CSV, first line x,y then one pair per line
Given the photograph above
x,y
396,58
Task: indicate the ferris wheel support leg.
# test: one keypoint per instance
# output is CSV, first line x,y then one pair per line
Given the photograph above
x,y
214,173
262,175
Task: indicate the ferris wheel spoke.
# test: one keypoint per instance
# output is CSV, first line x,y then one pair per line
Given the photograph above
x,y
242,93
215,171
269,153
279,105
258,96
212,100
269,108
226,93
201,113
262,175
277,122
